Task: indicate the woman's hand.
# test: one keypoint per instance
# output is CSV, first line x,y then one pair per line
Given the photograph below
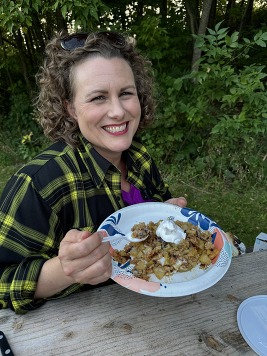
x,y
181,201
84,257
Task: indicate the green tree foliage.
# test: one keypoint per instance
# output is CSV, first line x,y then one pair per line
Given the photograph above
x,y
221,110
25,26
212,117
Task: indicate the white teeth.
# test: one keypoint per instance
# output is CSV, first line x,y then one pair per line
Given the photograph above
x,y
114,129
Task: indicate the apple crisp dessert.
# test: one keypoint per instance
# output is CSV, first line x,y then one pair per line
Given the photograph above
x,y
155,256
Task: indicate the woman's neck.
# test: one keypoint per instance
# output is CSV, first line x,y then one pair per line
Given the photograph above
x,y
124,184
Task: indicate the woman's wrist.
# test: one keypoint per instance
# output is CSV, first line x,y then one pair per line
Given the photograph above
x,y
52,279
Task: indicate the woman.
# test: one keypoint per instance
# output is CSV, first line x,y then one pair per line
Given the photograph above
x,y
95,96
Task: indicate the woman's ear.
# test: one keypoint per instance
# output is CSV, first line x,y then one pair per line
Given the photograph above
x,y
71,109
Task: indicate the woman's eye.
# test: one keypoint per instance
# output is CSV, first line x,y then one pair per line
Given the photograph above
x,y
126,93
98,98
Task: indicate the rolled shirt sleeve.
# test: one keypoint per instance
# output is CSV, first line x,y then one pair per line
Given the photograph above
x,y
28,230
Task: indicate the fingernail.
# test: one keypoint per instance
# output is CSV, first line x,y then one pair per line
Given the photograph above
x,y
103,233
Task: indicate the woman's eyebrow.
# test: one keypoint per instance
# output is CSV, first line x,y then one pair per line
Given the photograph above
x,y
131,86
104,91
96,91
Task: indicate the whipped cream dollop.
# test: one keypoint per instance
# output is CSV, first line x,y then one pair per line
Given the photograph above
x,y
170,232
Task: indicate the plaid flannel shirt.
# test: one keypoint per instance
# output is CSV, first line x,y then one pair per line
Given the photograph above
x,y
61,189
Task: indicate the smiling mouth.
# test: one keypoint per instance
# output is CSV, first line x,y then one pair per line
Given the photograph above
x,y
116,129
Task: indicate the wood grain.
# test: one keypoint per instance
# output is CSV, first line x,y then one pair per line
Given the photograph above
x,y
112,320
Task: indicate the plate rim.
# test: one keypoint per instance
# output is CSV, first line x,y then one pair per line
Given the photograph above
x,y
172,290
240,310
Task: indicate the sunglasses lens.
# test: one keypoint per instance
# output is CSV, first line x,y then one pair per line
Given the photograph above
x,y
116,39
74,41
78,40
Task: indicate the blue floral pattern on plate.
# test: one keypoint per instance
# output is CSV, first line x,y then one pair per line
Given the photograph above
x,y
184,283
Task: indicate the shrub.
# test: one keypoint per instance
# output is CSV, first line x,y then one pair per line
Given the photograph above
x,y
216,118
22,132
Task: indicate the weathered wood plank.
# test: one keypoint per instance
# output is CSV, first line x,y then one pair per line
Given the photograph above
x,y
115,321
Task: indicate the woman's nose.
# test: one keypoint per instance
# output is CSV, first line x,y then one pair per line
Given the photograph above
x,y
116,109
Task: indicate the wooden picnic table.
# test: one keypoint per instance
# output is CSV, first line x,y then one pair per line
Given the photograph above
x,y
113,320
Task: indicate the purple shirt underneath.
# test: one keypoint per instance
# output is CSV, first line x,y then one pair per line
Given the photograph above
x,y
132,197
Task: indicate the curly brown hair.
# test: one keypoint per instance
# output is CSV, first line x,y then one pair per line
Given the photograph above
x,y
55,80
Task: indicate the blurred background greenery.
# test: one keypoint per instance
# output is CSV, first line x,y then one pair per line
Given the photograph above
x,y
209,60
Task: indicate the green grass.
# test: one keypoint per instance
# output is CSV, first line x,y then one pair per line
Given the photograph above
x,y
10,160
237,209
5,174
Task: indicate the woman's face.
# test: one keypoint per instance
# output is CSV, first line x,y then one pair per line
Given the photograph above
x,y
106,105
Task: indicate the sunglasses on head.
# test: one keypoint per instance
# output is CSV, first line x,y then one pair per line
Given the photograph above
x,y
77,40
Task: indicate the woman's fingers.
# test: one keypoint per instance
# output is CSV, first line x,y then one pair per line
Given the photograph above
x,y
96,273
75,265
181,201
84,257
77,244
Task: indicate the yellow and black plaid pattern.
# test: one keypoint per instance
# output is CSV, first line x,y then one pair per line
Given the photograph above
x,y
60,190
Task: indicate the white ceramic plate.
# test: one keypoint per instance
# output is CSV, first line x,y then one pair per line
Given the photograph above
x,y
180,284
252,323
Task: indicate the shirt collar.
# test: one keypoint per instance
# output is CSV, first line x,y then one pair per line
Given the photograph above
x,y
98,166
